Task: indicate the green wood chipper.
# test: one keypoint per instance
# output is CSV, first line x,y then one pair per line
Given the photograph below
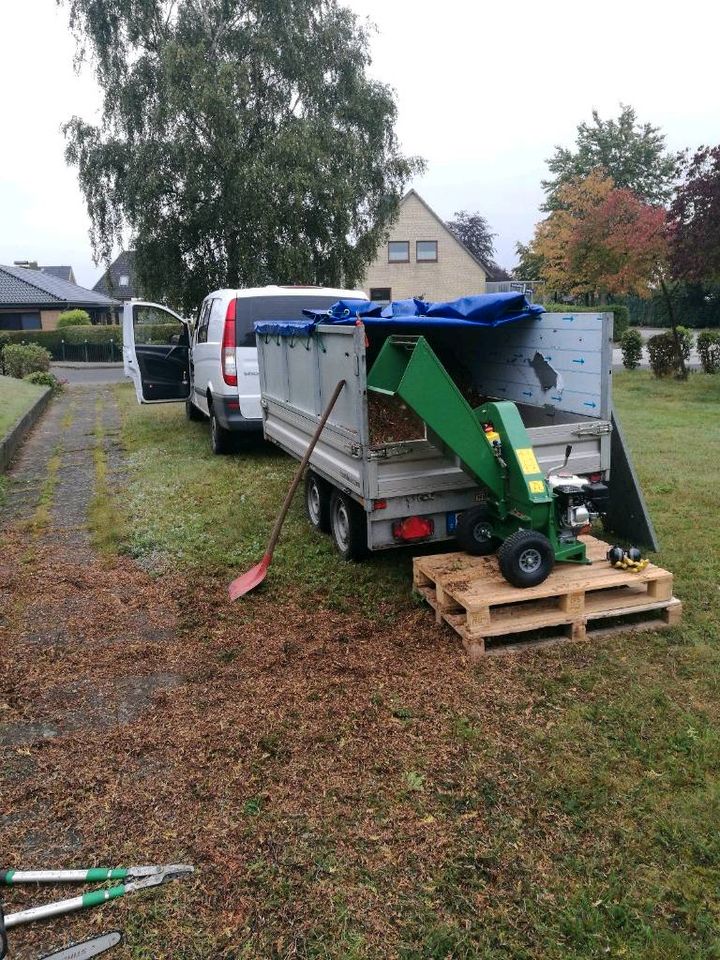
x,y
531,519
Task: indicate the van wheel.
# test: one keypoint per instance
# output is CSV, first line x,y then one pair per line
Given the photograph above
x,y
348,526
526,558
192,412
317,501
220,438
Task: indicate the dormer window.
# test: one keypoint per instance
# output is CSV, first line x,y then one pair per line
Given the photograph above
x,y
124,280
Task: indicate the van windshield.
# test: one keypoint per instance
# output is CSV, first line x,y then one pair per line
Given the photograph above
x,y
250,309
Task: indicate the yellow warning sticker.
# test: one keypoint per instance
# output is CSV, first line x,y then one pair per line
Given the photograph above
x,y
537,486
527,461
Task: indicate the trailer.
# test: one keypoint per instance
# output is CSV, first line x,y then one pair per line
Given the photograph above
x,y
556,368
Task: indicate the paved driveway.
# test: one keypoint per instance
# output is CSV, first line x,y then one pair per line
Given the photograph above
x,y
91,374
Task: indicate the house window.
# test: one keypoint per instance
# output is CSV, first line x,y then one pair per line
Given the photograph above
x,y
124,280
426,251
380,294
399,251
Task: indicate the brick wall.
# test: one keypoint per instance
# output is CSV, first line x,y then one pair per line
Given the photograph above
x,y
456,273
49,319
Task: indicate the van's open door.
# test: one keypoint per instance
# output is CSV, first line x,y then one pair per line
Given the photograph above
x,y
156,352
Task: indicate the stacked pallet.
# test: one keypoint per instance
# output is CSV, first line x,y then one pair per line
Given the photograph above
x,y
491,616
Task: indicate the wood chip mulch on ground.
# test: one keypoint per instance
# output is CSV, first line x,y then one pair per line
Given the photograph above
x,y
306,761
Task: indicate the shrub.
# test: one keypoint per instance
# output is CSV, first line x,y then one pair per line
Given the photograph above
x,y
43,379
708,344
73,318
632,345
20,359
663,356
686,341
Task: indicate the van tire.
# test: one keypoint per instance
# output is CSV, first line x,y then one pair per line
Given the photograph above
x,y
348,526
220,438
192,412
317,501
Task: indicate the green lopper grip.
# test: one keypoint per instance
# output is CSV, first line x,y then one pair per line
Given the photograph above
x,y
98,874
97,897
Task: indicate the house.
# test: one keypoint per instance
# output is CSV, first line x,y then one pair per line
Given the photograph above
x,y
62,273
423,259
119,279
31,299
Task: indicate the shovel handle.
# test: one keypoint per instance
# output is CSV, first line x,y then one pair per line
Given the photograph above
x,y
275,535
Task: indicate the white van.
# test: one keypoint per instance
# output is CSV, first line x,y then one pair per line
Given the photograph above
x,y
213,366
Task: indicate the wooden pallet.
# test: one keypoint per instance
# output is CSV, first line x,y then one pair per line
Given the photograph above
x,y
491,616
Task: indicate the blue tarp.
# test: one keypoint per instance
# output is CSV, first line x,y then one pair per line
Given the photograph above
x,y
486,310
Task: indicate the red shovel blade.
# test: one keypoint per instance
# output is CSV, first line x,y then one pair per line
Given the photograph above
x,y
248,581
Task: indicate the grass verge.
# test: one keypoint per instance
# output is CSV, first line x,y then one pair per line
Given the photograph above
x,y
16,398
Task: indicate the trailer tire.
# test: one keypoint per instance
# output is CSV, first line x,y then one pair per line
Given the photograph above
x,y
347,526
526,558
474,532
317,501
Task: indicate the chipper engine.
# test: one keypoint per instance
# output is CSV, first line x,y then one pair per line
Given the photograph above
x,y
530,519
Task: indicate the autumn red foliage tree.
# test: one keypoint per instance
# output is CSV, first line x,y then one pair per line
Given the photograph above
x,y
694,218
606,240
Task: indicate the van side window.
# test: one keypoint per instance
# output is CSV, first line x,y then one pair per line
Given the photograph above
x,y
202,330
217,318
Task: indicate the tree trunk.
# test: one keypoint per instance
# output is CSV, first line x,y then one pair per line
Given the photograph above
x,y
682,373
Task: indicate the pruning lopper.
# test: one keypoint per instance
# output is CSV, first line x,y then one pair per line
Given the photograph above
x,y
135,878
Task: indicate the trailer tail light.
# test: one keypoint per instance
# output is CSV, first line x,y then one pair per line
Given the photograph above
x,y
229,359
413,528
379,504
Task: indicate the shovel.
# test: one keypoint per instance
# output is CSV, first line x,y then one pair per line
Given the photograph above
x,y
248,581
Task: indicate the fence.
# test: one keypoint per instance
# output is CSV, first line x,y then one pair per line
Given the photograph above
x,y
533,289
88,352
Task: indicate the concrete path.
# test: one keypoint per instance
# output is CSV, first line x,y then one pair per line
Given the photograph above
x,y
94,623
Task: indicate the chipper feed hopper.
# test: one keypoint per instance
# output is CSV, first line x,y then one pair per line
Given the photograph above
x,y
531,519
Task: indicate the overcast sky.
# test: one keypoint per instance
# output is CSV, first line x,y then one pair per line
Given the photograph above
x,y
484,93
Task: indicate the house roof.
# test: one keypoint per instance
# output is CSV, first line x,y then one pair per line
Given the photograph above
x,y
109,282
481,263
62,273
22,287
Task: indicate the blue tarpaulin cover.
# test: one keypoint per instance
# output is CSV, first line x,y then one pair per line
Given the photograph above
x,y
486,310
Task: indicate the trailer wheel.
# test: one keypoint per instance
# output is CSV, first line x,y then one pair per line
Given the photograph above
x,y
317,501
474,531
347,526
526,558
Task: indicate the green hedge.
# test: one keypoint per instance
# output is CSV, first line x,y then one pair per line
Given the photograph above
x,y
73,318
621,312
69,342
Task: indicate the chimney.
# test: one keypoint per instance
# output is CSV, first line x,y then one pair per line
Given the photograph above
x,y
27,264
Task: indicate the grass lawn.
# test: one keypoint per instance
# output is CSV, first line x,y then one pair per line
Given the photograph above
x,y
359,792
564,804
16,398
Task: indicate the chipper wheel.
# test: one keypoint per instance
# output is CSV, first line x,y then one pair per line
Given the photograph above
x,y
526,558
474,532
